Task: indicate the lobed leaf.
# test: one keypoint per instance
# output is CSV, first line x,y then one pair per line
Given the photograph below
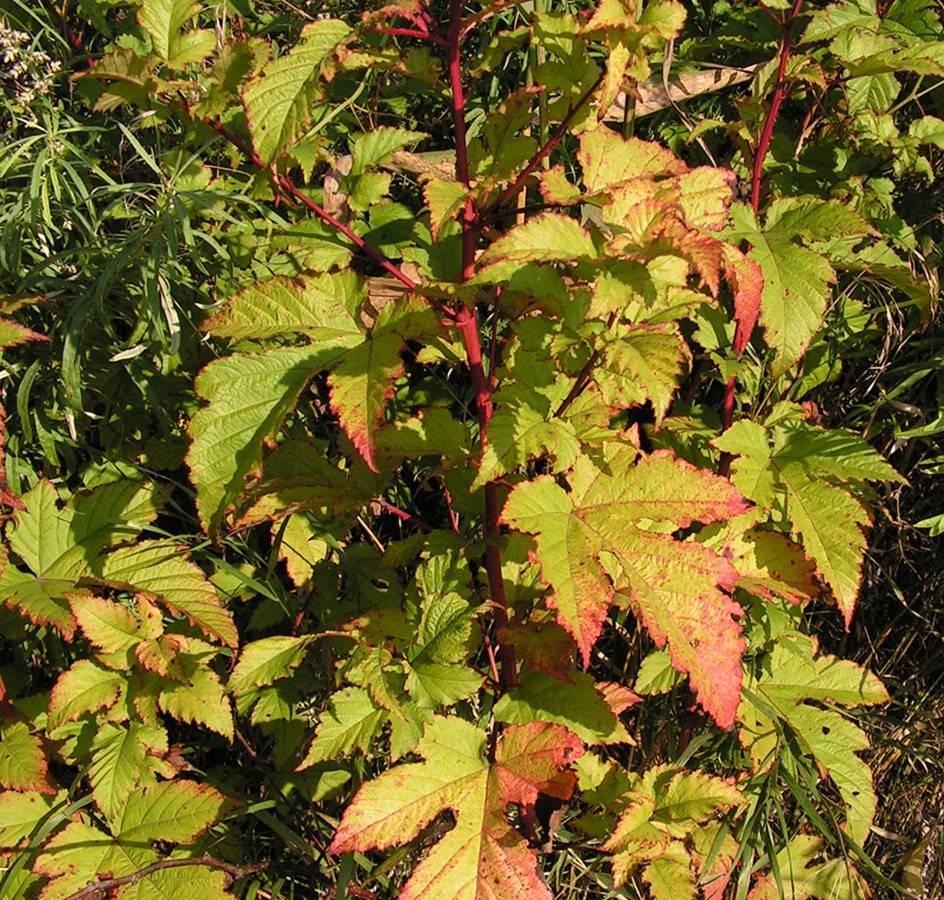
x,y
597,542
482,852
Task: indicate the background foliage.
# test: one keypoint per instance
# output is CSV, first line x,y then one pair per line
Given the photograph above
x,y
299,598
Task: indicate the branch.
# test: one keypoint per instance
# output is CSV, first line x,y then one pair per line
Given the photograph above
x,y
282,183
545,151
99,887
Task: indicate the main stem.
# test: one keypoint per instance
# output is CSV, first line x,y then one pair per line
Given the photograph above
x,y
466,321
760,154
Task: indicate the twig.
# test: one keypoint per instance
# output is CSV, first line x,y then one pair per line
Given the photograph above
x,y
403,515
99,887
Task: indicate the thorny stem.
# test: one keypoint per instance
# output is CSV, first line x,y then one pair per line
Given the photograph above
x,y
466,321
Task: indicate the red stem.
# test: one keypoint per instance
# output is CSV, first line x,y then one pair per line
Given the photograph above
x,y
403,515
760,154
545,151
410,32
780,93
282,182
466,321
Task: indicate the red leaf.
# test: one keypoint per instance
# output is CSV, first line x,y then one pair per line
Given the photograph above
x,y
747,284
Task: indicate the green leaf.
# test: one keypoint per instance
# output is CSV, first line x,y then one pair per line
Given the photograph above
x,y
444,629
23,765
160,569
432,685
656,674
80,854
800,877
928,130
835,452
482,851
324,308
107,625
444,199
350,723
279,102
21,812
575,703
39,599
361,385
174,811
794,675
663,806
264,662
546,237
598,542
120,763
647,363
522,429
249,397
375,147
163,21
814,220
199,699
609,160
84,688
827,518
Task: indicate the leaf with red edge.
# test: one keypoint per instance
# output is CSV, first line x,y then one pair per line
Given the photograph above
x,y
609,540
771,565
361,385
161,569
12,333
23,765
482,856
609,159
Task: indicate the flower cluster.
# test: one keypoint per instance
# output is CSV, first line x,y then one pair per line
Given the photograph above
x,y
26,73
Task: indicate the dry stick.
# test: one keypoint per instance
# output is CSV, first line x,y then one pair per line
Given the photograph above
x,y
760,154
99,887
466,321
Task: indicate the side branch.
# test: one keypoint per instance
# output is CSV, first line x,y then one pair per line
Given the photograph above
x,y
285,186
545,151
